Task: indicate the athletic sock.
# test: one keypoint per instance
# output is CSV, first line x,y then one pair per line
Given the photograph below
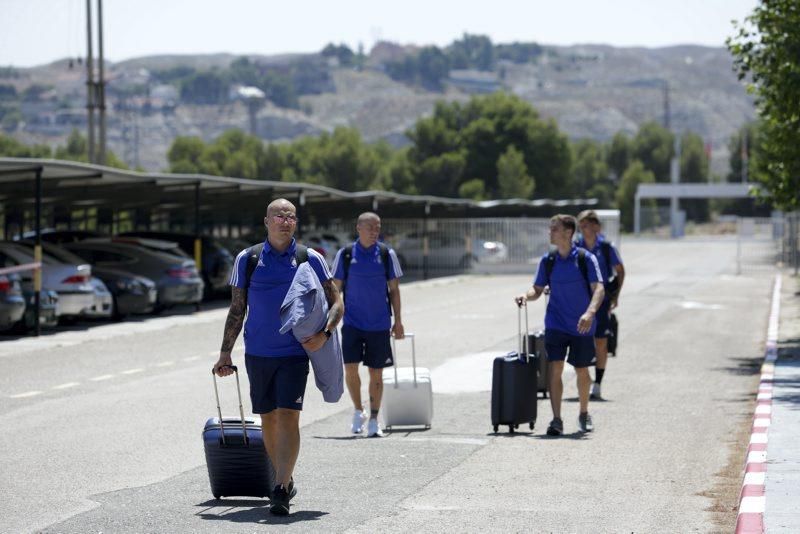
x,y
373,414
599,375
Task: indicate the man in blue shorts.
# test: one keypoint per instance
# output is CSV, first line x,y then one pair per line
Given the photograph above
x,y
277,364
613,273
576,292
368,273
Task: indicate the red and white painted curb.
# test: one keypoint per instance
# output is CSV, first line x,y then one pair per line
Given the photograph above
x,y
752,500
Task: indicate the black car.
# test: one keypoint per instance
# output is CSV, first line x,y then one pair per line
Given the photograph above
x,y
217,261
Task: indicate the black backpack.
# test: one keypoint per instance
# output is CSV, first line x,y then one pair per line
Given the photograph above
x,y
612,284
347,259
582,265
254,252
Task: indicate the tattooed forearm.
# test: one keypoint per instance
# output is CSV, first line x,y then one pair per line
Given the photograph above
x,y
235,320
335,304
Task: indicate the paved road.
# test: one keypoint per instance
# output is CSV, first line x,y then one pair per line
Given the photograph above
x,y
101,428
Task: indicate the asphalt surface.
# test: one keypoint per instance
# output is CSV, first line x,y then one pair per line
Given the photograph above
x,y
101,427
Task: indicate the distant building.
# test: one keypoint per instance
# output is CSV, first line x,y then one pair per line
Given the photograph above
x,y
474,81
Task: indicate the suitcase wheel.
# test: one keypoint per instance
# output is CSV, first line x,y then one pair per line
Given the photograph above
x,y
218,497
510,429
427,427
496,427
530,425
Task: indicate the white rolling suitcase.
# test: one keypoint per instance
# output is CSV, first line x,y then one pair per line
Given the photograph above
x,y
407,393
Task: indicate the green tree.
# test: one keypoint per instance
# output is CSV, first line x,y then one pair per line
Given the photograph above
x,y
184,154
619,154
77,149
653,146
766,50
434,66
635,174
472,52
473,189
512,175
694,169
11,148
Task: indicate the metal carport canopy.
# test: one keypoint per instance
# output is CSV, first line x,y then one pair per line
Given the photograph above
x,y
72,185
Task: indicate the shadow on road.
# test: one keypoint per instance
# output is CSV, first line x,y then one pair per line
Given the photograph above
x,y
787,390
252,511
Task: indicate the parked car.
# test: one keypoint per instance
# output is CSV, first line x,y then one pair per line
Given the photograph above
x,y
12,303
130,293
176,277
235,244
48,309
63,236
216,260
103,306
70,281
326,244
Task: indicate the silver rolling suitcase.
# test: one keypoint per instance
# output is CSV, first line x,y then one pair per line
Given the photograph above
x,y
407,393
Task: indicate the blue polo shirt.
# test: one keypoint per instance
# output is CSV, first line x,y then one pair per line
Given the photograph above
x,y
614,260
365,305
269,285
569,294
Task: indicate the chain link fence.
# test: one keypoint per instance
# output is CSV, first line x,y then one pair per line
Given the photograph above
x,y
440,247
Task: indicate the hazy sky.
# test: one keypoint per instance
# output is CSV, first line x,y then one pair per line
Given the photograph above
x,y
33,32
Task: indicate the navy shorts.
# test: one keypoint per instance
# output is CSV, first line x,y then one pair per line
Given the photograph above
x,y
602,317
276,382
581,348
372,348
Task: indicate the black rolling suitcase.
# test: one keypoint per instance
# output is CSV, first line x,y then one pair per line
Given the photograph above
x,y
237,461
536,343
514,385
613,334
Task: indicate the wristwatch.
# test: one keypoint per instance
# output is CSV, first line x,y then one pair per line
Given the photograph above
x,y
327,333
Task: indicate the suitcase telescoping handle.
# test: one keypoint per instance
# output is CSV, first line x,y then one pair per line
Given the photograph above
x,y
219,410
523,337
413,358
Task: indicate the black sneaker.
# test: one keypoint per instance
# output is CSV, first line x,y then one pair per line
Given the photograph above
x,y
556,427
292,490
279,502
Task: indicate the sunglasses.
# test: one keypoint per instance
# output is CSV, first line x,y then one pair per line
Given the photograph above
x,y
279,219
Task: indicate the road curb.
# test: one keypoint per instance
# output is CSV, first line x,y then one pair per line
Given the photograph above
x,y
752,499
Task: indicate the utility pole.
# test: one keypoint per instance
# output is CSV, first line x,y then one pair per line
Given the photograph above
x,y
745,156
95,89
90,88
666,105
101,86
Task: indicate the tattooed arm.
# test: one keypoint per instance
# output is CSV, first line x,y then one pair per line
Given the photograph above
x,y
233,325
335,313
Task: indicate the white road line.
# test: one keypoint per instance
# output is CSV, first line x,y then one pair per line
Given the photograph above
x,y
25,395
132,371
193,358
165,364
67,385
101,378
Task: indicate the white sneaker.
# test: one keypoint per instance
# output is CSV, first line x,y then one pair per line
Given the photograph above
x,y
359,418
595,392
374,429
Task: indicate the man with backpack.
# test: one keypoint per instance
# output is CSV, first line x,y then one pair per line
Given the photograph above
x,y
613,275
576,292
368,273
277,364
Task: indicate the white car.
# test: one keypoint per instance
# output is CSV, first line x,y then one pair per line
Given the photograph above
x,y
71,282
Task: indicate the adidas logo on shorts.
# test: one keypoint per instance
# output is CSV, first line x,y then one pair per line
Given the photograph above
x,y
388,360
299,400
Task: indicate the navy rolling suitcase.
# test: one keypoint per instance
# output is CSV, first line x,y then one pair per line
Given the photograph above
x,y
537,347
514,385
237,461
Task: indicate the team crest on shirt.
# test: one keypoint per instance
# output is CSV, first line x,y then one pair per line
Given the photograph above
x,y
260,263
294,262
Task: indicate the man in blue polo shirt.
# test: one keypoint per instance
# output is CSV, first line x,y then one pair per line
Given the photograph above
x,y
368,274
576,292
277,364
613,274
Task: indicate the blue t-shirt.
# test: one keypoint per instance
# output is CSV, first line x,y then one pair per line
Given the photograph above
x,y
365,305
569,294
597,250
269,285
